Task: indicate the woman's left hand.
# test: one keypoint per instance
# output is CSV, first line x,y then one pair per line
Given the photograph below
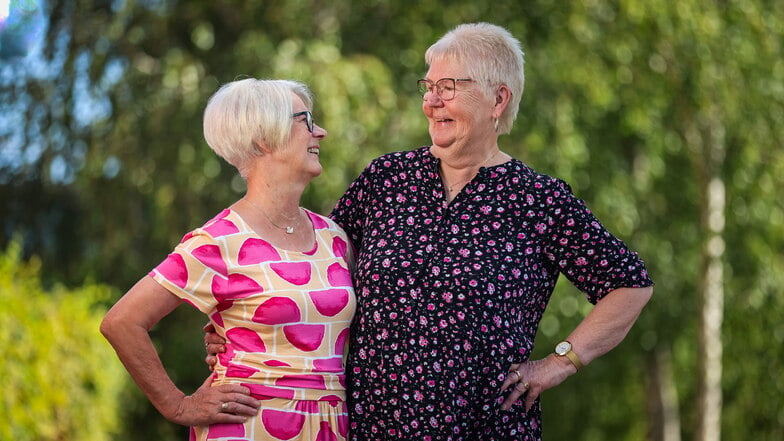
x,y
227,403
531,378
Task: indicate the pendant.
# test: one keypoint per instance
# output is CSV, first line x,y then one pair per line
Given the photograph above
x,y
289,230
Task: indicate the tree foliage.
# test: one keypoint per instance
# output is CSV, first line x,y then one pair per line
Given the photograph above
x,y
620,97
60,380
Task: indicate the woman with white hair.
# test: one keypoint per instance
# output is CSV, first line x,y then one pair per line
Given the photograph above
x,y
459,246
272,277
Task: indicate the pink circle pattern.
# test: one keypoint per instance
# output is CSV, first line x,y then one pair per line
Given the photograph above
x,y
285,316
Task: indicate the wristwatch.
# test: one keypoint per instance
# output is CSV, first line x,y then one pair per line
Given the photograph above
x,y
564,349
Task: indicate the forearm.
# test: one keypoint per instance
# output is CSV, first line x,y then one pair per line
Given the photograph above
x,y
602,329
126,327
137,353
608,323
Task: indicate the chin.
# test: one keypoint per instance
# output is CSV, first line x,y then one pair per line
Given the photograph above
x,y
441,141
441,145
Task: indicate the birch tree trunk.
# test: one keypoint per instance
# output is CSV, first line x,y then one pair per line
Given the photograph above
x,y
712,220
663,409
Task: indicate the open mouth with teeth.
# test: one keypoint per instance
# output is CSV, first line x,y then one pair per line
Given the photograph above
x,y
314,150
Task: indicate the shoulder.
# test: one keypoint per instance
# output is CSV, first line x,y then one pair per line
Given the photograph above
x,y
404,159
391,167
325,225
225,223
532,181
321,222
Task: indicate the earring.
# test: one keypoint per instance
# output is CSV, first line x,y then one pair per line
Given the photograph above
x,y
495,123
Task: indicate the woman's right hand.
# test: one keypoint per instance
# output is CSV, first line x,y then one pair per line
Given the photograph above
x,y
227,403
214,344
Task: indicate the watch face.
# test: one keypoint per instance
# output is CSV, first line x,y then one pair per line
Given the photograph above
x,y
563,347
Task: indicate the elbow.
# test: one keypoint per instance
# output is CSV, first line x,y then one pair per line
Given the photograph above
x,y
106,327
646,293
111,326
632,299
640,298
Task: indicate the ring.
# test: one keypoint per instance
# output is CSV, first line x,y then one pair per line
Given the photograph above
x,y
516,372
224,406
526,385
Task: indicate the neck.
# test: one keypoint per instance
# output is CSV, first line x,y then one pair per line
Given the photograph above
x,y
278,204
455,180
277,220
466,152
281,198
466,167
272,204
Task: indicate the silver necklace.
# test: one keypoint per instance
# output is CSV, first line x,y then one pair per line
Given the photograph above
x,y
450,187
288,229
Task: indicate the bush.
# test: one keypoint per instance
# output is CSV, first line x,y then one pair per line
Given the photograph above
x,y
61,380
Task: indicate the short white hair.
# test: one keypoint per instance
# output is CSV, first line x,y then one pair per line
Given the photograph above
x,y
249,111
491,55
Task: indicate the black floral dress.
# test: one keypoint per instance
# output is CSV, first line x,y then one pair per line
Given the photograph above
x,y
449,295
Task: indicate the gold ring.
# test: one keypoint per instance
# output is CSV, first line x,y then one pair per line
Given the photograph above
x,y
526,385
516,372
224,406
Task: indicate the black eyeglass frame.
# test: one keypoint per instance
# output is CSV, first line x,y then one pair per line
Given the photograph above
x,y
309,121
424,86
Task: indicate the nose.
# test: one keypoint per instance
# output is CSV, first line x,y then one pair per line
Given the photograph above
x,y
431,99
319,132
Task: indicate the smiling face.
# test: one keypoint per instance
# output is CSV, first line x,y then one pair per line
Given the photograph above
x,y
301,152
464,122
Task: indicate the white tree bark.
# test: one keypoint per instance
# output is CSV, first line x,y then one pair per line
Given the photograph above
x,y
711,285
663,409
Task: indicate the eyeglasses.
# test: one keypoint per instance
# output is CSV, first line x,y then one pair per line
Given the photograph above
x,y
444,88
308,119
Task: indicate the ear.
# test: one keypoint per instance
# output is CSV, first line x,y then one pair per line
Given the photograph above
x,y
261,147
502,97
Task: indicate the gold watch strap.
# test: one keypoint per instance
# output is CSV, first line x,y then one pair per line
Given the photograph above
x,y
574,359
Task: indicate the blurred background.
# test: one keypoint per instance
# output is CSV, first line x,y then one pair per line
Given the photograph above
x,y
666,117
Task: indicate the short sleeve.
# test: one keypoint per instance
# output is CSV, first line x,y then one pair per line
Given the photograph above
x,y
349,212
192,270
594,260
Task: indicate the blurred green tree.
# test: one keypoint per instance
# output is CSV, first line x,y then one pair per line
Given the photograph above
x,y
60,381
666,117
625,100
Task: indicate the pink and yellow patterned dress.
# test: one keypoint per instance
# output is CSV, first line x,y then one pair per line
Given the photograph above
x,y
286,317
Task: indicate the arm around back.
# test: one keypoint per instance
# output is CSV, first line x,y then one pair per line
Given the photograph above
x,y
126,326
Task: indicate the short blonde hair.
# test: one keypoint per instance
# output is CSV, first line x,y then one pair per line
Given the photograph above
x,y
491,55
249,111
